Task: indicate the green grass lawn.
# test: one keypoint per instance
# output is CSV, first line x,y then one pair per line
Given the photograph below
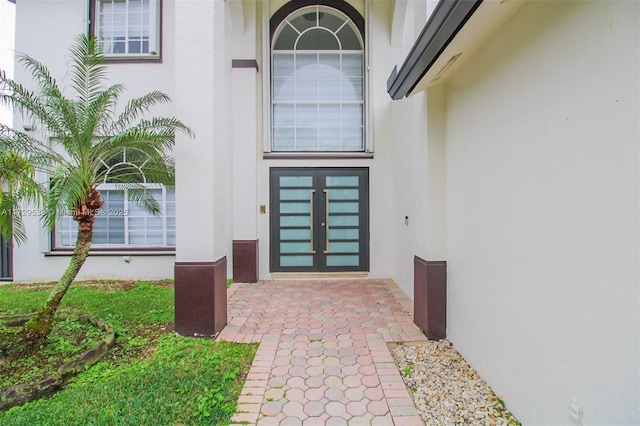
x,y
150,376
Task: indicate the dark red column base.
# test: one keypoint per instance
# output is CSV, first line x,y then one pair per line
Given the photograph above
x,y
245,261
430,297
200,298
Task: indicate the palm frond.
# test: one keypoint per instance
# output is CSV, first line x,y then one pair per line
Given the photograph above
x,y
60,115
135,108
136,142
87,71
166,125
152,136
66,115
160,171
16,183
88,135
39,155
31,105
68,189
98,114
142,196
40,74
11,224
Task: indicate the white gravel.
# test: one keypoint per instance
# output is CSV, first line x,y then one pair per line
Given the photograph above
x,y
446,390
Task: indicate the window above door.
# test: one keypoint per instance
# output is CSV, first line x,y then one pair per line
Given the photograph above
x,y
317,83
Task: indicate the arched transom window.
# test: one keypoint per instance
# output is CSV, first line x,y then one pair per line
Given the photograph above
x,y
317,82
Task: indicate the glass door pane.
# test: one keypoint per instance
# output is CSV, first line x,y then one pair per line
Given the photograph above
x,y
293,196
343,214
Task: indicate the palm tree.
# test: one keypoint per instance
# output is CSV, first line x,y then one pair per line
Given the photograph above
x,y
89,135
17,184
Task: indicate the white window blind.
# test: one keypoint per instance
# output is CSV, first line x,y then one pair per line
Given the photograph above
x,y
121,223
317,83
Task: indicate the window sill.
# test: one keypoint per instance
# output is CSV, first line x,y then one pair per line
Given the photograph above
x,y
316,155
132,59
117,252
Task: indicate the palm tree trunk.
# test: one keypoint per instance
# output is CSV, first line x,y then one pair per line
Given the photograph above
x,y
39,326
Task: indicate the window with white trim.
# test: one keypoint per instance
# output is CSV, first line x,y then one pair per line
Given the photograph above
x,y
122,223
128,28
317,83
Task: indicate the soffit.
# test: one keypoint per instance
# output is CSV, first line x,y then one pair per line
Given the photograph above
x,y
455,31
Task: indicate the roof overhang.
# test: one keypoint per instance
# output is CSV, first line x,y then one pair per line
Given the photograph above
x,y
455,30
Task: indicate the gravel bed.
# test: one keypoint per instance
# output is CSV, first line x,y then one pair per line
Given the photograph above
x,y
446,390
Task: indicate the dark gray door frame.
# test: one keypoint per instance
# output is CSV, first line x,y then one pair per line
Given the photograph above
x,y
319,216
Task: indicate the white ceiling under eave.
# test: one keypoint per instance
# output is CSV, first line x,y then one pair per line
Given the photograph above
x,y
485,21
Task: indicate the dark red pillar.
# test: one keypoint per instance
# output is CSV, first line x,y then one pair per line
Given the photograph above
x,y
201,298
430,297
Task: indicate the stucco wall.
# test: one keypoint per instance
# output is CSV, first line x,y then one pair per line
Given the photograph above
x,y
418,166
222,178
7,36
48,41
542,211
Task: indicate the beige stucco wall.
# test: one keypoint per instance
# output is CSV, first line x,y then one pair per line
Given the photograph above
x,y
542,131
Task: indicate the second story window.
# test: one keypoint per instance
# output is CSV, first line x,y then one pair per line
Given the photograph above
x,y
127,29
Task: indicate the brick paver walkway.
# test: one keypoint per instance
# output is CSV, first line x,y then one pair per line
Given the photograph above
x,y
323,357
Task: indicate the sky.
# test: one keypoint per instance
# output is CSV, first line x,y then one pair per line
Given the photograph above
x,y
7,24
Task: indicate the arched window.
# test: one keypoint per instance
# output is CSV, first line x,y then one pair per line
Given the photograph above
x,y
121,222
317,86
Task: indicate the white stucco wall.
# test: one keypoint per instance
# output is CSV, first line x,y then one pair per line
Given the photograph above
x,y
244,101
418,224
222,178
542,131
48,40
409,187
202,99
382,211
7,37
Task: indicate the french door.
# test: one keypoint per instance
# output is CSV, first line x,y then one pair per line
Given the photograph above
x,y
319,219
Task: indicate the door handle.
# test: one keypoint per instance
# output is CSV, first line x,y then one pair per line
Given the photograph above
x,y
326,219
311,203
